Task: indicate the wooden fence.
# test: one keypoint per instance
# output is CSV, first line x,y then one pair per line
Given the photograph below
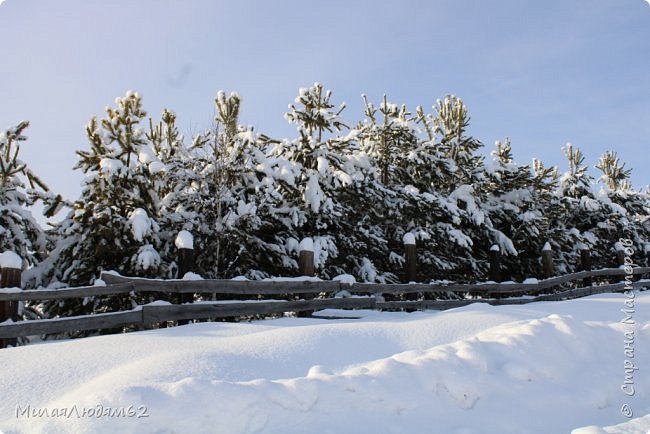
x,y
252,298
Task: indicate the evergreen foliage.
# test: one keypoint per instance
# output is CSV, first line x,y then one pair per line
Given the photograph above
x,y
19,189
355,188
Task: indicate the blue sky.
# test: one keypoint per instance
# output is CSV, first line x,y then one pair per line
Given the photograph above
x,y
542,73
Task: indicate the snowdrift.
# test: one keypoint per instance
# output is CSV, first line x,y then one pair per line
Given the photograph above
x,y
543,368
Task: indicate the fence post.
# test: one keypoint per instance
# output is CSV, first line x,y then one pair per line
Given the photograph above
x,y
185,245
306,257
585,265
10,269
620,253
410,265
647,256
620,258
547,261
306,267
495,263
410,258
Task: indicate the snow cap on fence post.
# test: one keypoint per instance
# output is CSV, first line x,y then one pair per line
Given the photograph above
x,y
409,238
307,244
184,240
11,265
185,244
306,257
9,259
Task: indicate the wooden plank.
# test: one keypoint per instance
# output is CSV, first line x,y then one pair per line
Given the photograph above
x,y
424,304
178,286
496,288
123,285
450,304
225,286
558,280
60,325
619,271
156,313
57,294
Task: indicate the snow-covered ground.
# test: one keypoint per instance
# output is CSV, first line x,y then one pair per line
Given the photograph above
x,y
541,368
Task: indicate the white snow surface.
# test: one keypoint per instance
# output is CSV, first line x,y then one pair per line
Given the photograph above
x,y
409,238
192,276
541,368
110,166
140,224
147,257
345,278
313,194
184,240
307,244
9,259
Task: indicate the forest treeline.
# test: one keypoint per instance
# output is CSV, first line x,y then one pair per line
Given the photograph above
x,y
356,188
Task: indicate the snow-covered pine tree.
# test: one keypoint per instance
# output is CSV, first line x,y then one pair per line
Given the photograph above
x,y
244,239
451,121
522,203
406,198
463,188
614,174
630,209
318,174
582,218
217,189
388,140
544,218
179,195
113,225
308,164
19,187
419,196
241,242
386,137
575,182
509,204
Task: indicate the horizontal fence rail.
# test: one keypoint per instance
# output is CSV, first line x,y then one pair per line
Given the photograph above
x,y
362,296
117,285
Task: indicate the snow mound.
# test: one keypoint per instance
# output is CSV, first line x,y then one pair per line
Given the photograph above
x,y
9,259
345,278
192,276
409,238
307,244
554,366
184,240
639,425
140,224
